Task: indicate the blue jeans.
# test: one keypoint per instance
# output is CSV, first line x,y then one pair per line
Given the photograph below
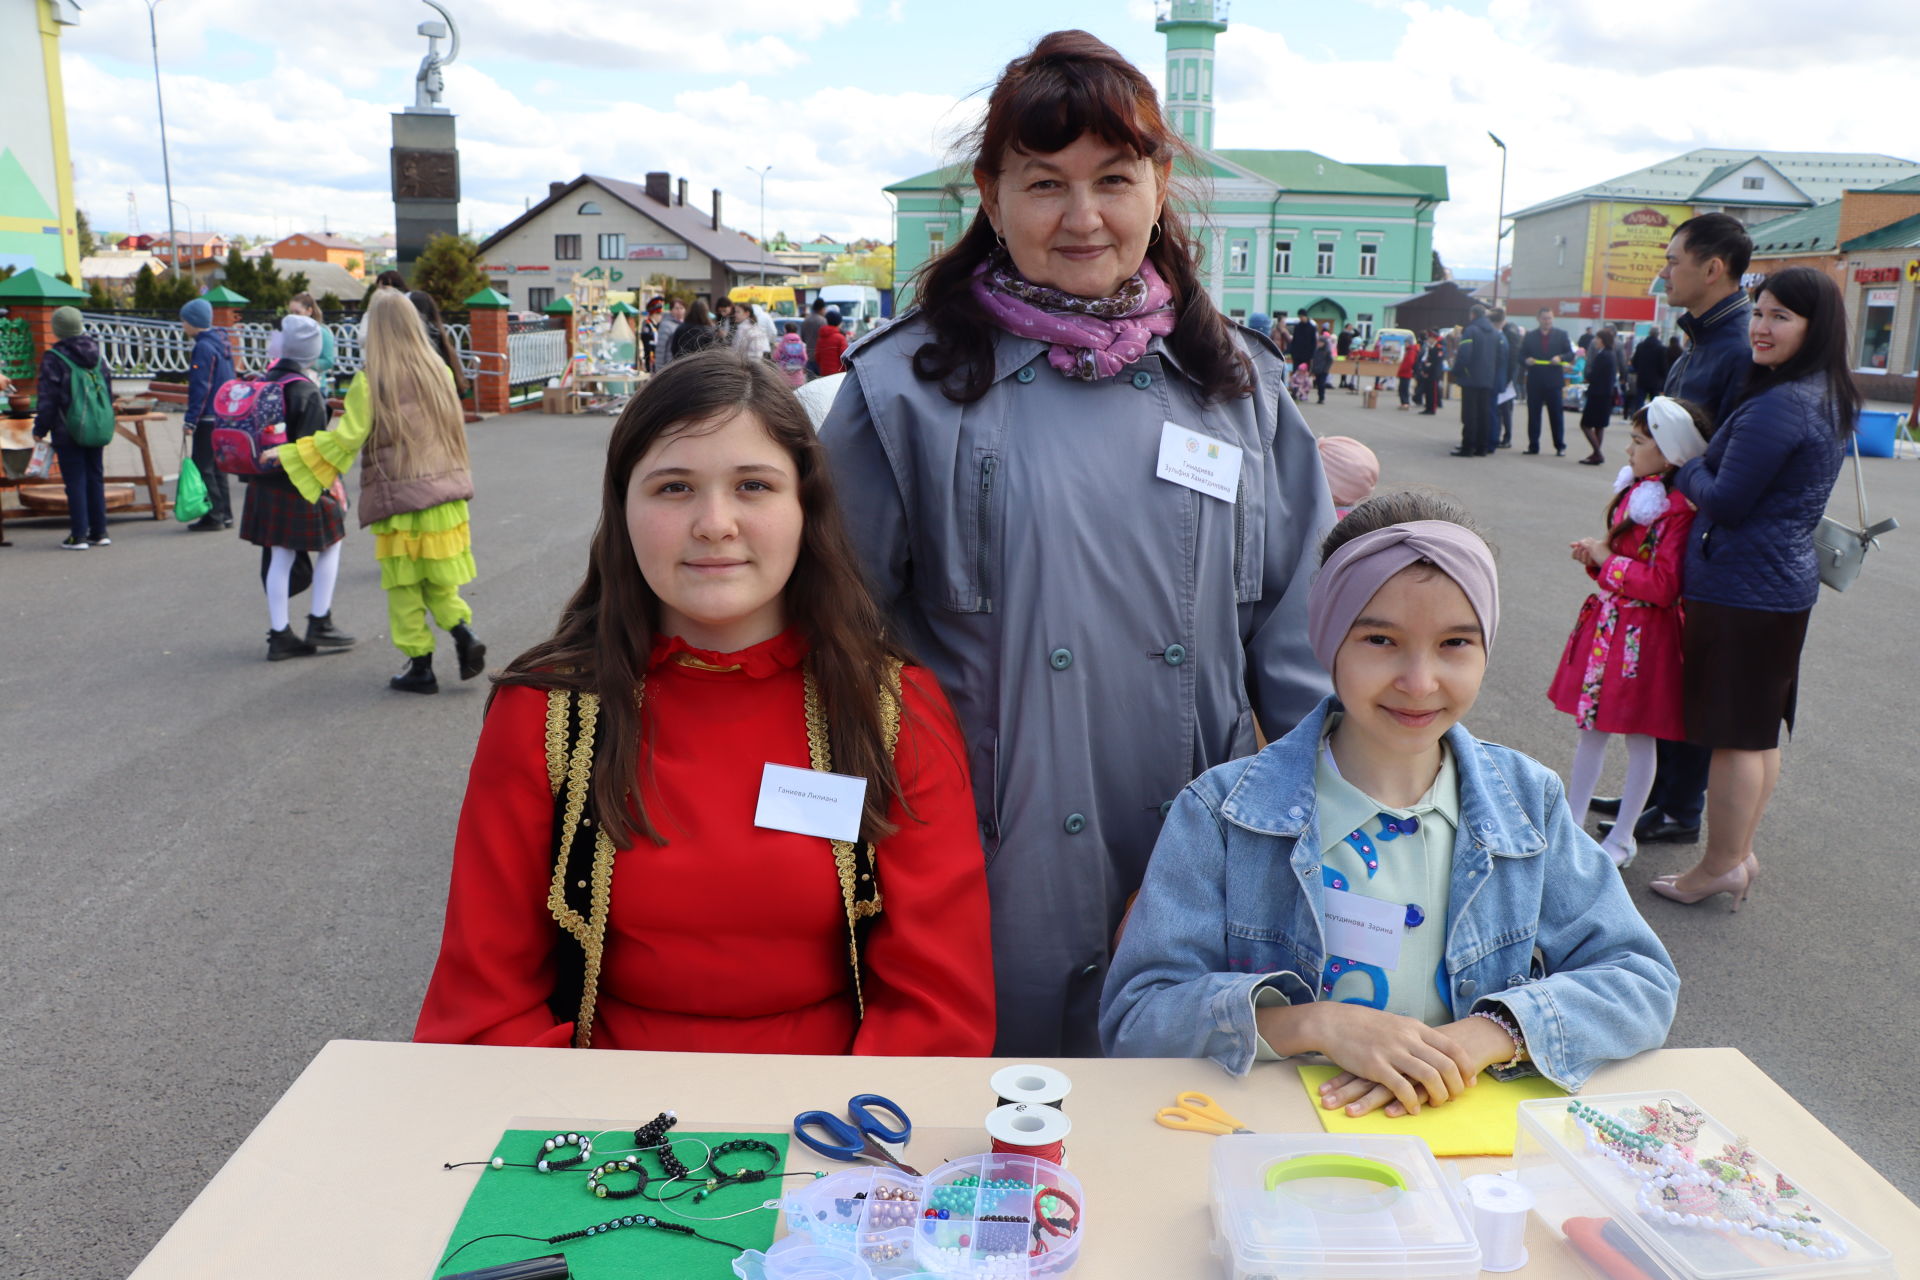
x,y
83,471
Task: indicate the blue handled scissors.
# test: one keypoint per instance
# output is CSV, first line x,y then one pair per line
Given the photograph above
x,y
861,1140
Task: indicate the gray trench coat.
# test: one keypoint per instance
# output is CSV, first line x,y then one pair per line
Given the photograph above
x,y
1105,635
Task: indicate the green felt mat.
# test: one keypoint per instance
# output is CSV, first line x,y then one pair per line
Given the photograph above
x,y
531,1203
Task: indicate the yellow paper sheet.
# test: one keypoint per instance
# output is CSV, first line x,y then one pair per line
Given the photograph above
x,y
1483,1121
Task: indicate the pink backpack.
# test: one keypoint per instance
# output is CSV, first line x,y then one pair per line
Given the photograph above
x,y
248,418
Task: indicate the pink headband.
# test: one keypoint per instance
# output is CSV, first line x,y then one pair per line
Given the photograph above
x,y
1352,575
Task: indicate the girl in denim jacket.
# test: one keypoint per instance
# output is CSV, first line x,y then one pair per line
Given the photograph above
x,y
1379,886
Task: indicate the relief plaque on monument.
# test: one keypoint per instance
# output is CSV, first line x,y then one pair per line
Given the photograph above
x,y
423,174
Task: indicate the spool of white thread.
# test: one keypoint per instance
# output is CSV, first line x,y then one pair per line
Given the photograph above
x,y
1025,1127
1032,1084
1500,1208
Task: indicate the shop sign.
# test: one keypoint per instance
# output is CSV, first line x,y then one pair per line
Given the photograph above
x,y
656,252
1877,275
1913,270
1627,245
1883,297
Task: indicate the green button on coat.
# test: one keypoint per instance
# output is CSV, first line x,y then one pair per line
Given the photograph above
x,y
1075,823
1175,654
1025,375
1166,807
1143,379
1061,659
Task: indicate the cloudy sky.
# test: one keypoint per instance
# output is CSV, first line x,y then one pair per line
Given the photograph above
x,y
276,127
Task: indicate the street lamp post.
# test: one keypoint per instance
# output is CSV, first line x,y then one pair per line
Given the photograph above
x,y
1501,216
166,165
763,221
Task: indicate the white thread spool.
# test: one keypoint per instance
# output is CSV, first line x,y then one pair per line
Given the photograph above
x,y
1032,1083
1028,1129
1500,1208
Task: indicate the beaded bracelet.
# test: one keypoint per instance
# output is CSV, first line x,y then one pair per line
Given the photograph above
x,y
1512,1029
559,1141
753,1145
596,1181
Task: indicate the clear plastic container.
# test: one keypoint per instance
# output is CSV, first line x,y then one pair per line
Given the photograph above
x,y
1325,1207
799,1258
881,1219
1596,1201
867,1213
1001,1220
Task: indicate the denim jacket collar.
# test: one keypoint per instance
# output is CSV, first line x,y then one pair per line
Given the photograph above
x,y
1275,794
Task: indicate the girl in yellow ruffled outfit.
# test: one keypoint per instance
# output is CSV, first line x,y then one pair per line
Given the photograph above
x,y
414,485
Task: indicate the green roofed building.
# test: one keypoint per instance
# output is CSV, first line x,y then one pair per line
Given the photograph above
x,y
1279,231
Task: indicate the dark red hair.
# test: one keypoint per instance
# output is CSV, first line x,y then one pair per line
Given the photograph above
x,y
1068,85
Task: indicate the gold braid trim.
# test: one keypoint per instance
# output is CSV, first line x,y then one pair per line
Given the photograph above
x,y
556,740
591,930
820,757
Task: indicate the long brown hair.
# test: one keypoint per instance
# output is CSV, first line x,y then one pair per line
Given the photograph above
x,y
415,412
1070,84
607,629
439,338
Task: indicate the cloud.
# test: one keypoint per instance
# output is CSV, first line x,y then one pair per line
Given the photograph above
x,y
1568,114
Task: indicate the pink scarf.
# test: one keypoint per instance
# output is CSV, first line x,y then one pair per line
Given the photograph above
x,y
1089,337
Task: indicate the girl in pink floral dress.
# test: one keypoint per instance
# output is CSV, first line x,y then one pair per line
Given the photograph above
x,y
1620,672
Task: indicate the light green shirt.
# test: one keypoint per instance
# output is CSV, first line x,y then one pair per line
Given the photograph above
x,y
1412,869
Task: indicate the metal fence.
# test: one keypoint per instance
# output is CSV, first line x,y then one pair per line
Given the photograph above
x,y
141,348
534,354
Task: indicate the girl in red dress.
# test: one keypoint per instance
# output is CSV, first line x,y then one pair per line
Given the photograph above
x,y
617,882
1620,672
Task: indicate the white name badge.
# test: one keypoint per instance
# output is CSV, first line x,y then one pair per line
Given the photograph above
x,y
810,803
1364,930
1199,462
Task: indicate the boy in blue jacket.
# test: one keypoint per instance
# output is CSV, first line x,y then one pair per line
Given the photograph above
x,y
211,366
1379,886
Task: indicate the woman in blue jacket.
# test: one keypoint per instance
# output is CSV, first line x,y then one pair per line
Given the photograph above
x,y
1752,573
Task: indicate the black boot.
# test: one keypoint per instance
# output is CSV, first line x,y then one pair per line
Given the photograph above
x,y
284,644
322,632
472,654
418,676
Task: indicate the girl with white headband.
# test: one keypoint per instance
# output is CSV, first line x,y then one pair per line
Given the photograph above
x,y
1620,671
1379,886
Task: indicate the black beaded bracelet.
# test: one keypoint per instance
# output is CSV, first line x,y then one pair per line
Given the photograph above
x,y
753,1145
547,1163
596,1181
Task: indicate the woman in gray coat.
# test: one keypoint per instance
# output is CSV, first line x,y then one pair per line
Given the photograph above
x,y
1092,511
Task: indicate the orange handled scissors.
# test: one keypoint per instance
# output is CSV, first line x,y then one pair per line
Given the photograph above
x,y
1199,1113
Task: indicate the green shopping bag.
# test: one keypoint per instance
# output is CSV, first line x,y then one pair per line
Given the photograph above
x,y
190,494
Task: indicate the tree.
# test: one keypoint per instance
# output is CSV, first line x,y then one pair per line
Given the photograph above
x,y
875,269
331,304
1440,271
353,265
155,292
260,282
448,268
98,299
88,245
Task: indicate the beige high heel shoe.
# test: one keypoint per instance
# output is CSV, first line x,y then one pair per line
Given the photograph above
x,y
1737,882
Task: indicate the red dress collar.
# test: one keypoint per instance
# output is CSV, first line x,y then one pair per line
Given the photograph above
x,y
768,658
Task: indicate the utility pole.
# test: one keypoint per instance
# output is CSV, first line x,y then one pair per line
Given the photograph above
x,y
1500,217
763,222
166,165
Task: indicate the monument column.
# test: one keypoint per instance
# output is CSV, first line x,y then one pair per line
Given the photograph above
x,y
425,157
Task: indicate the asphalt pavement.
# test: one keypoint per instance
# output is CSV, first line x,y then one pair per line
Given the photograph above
x,y
214,865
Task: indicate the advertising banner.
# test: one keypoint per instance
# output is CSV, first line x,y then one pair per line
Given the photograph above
x,y
1627,245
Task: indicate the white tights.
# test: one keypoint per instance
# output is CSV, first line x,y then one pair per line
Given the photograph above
x,y
1588,756
326,572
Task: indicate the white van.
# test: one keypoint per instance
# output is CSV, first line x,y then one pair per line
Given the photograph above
x,y
859,305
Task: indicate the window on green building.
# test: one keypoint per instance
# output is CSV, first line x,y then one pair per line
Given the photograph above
x,y
1237,258
936,239
1283,257
1323,260
1369,259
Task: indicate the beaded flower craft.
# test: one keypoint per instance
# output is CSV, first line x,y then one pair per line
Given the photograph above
x,y
1733,1191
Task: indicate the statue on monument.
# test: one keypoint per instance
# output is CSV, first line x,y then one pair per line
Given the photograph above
x,y
428,83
